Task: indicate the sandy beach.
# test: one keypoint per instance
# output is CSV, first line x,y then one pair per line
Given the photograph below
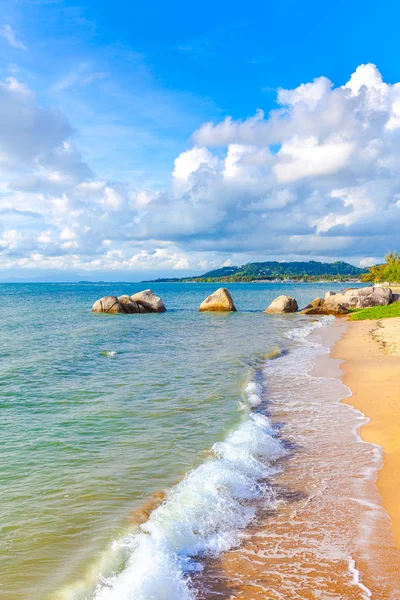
x,y
322,535
371,351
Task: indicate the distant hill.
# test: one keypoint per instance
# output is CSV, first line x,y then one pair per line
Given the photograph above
x,y
273,270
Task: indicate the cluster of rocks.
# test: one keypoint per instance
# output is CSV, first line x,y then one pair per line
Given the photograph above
x,y
333,304
221,301
142,302
353,298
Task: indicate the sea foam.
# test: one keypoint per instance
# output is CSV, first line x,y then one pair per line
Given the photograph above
x,y
202,516
254,394
301,333
206,513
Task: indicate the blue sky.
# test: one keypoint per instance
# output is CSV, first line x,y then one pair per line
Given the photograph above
x,y
109,168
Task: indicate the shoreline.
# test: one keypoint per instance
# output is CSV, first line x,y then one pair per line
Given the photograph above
x,y
369,353
328,531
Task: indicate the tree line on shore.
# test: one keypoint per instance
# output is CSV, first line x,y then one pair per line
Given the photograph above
x,y
277,271
387,272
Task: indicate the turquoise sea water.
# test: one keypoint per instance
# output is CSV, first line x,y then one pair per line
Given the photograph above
x,y
101,412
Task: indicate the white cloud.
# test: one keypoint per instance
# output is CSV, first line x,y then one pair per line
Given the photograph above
x,y
366,76
305,157
12,84
318,177
309,94
190,161
93,77
10,239
9,34
112,199
368,261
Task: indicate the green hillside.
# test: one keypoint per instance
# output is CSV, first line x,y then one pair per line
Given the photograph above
x,y
272,270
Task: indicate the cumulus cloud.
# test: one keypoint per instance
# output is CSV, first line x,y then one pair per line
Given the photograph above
x,y
318,176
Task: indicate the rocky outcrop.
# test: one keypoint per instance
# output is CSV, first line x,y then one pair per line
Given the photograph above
x,y
339,303
360,297
219,301
337,310
319,306
142,302
149,301
282,304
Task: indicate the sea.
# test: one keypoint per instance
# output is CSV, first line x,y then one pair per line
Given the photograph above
x,y
183,455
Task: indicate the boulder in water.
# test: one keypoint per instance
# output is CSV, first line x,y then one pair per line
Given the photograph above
x,y
282,304
107,304
143,302
317,302
128,306
149,301
332,309
219,301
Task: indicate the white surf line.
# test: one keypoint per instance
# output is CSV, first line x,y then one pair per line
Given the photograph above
x,y
355,573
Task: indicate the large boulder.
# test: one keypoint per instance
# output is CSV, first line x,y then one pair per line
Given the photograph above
x,y
373,296
361,297
334,309
282,304
108,304
149,301
143,302
219,301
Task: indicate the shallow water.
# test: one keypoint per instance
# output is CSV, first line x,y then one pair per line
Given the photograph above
x,y
102,414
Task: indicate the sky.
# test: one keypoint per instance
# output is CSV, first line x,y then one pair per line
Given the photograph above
x,y
143,140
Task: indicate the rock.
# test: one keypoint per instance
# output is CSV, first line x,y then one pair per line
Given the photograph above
x,y
374,296
143,302
334,309
108,304
329,294
149,301
128,306
219,301
282,304
316,303
361,297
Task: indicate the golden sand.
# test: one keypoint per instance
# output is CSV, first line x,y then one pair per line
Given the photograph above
x,y
371,350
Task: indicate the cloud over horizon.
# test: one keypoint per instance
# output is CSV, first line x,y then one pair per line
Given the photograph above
x,y
316,177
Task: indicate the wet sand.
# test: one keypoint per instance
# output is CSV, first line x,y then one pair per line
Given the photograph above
x,y
371,351
328,535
